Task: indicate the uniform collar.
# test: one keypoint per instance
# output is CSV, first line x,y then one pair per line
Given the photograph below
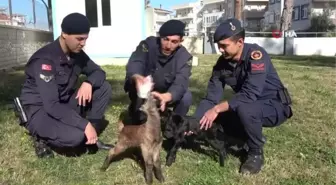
x,y
244,56
61,55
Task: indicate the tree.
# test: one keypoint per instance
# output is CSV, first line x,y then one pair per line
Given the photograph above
x,y
286,17
49,12
238,9
322,22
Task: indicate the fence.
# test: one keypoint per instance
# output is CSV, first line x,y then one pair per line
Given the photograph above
x,y
306,43
18,44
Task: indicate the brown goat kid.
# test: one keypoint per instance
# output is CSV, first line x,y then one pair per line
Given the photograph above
x,y
147,136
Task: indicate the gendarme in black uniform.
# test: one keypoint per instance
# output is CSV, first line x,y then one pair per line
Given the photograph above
x,y
170,73
260,98
48,94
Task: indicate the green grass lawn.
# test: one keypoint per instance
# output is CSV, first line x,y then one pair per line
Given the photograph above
x,y
301,151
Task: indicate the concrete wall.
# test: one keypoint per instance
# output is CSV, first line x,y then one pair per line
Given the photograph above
x,y
193,44
323,46
18,44
150,22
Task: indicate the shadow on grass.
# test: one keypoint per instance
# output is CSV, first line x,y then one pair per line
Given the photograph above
x,y
196,146
322,61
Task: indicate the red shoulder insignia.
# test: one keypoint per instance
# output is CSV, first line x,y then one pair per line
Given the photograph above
x,y
256,55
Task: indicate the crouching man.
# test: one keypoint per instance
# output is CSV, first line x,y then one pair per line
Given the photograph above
x,y
169,63
260,98
53,106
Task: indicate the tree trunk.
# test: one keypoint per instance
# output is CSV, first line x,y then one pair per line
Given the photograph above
x,y
49,12
286,18
238,12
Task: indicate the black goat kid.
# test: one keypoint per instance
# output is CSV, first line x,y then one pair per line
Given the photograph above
x,y
176,126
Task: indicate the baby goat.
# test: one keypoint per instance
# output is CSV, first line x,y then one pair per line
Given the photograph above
x,y
177,125
147,136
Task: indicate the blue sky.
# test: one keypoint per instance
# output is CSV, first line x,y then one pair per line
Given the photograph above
x,y
167,4
25,7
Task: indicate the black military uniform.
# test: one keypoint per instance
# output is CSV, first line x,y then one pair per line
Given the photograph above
x,y
260,98
48,94
170,73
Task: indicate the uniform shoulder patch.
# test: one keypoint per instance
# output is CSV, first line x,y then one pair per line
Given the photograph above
x,y
144,47
189,62
46,78
256,55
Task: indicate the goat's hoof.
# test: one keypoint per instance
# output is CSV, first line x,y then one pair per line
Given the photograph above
x,y
103,169
149,181
169,163
159,177
161,180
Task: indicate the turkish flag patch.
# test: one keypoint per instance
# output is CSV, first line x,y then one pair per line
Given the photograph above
x,y
46,67
258,67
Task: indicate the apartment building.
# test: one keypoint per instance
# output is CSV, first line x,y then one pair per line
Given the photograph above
x,y
214,12
302,12
155,17
253,14
304,9
15,20
204,16
189,13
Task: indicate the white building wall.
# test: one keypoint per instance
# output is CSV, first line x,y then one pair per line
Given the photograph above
x,y
118,40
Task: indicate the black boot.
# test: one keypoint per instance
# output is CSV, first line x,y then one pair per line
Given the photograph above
x,y
42,150
103,146
98,125
253,163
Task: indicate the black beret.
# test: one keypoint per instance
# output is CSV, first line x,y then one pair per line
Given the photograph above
x,y
75,23
228,28
172,27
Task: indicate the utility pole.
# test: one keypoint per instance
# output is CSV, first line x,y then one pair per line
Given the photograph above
x,y
34,13
10,11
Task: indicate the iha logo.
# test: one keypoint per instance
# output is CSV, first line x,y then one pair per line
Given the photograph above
x,y
278,34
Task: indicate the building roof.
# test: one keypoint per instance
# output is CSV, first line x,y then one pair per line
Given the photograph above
x,y
4,16
183,6
18,15
162,10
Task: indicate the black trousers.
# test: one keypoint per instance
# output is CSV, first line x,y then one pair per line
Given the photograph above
x,y
250,118
60,134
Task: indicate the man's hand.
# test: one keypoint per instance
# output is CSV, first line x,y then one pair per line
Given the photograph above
x,y
91,134
164,99
208,118
84,93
